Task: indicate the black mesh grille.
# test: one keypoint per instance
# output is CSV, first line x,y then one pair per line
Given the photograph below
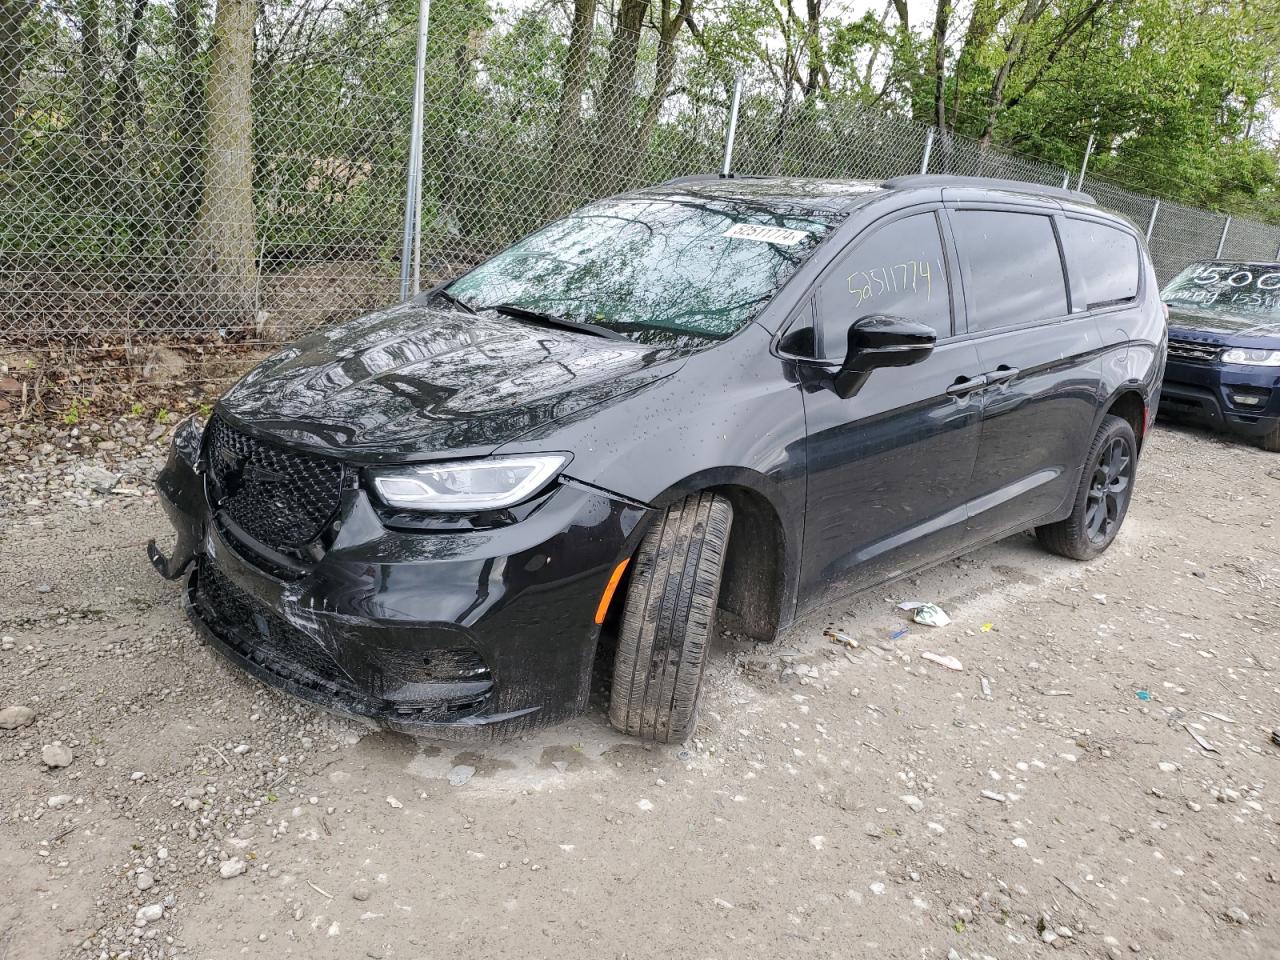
x,y
263,635
1192,351
278,496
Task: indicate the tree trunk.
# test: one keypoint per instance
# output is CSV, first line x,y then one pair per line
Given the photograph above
x,y
12,55
1012,53
128,99
86,125
940,21
224,268
665,67
186,125
618,93
562,154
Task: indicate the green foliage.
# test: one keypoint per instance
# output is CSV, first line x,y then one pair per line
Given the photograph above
x,y
78,408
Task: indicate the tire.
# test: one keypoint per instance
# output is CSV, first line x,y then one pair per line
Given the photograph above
x,y
668,620
1271,441
1102,501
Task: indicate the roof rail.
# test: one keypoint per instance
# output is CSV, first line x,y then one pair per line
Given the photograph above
x,y
993,183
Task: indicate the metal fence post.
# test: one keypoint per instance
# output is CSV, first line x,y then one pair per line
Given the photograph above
x,y
1222,240
732,132
410,239
1088,152
1151,224
928,150
1066,179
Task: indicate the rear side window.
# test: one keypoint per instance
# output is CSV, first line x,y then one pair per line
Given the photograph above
x,y
1011,268
898,269
1104,259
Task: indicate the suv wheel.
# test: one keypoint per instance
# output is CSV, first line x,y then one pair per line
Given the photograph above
x,y
1106,487
1271,441
668,620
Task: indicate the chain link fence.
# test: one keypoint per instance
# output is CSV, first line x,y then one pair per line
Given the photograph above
x,y
180,172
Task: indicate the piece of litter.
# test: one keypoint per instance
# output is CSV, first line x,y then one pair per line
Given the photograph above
x,y
837,636
929,614
992,795
898,634
987,627
1204,744
394,804
986,687
1144,695
1056,693
644,804
951,663
1275,737
1216,716
817,842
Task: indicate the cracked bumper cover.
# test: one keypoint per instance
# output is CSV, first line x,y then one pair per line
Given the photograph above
x,y
477,633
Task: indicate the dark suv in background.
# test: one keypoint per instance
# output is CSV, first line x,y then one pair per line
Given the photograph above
x,y
744,395
1224,348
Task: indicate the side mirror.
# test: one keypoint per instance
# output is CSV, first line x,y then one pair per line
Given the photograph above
x,y
881,341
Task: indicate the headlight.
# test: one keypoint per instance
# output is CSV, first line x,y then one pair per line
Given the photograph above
x,y
467,485
187,437
1253,358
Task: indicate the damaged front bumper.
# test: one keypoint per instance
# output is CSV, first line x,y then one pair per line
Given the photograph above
x,y
479,632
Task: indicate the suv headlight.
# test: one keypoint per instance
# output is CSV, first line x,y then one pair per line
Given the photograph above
x,y
467,485
1253,358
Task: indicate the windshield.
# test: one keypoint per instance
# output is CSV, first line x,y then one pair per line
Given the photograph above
x,y
1227,288
674,271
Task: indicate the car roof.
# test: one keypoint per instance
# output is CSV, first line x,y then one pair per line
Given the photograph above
x,y
819,195
809,193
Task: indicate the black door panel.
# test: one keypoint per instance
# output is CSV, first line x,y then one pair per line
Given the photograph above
x,y
889,473
1036,425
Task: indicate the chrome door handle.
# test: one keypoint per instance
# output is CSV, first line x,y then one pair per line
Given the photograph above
x,y
967,385
1002,374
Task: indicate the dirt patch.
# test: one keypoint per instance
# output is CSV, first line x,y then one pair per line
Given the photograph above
x,y
834,802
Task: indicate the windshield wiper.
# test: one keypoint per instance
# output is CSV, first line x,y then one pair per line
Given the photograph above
x,y
458,302
551,320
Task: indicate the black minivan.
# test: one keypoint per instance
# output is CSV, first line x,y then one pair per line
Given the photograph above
x,y
744,395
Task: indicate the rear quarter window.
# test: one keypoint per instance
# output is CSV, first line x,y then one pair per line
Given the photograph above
x,y
1102,258
1011,267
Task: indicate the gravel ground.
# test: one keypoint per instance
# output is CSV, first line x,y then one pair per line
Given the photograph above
x,y
1097,781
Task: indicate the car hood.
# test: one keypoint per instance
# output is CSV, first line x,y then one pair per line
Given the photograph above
x,y
1225,326
416,382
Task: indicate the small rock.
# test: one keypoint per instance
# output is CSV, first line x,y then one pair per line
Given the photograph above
x,y
360,893
145,880
1237,915
1167,766
912,801
232,868
12,718
97,479
150,913
644,804
60,801
56,755
461,774
394,804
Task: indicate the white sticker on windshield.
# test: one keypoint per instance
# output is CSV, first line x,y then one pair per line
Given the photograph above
x,y
754,231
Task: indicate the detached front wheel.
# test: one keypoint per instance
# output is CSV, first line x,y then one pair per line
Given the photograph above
x,y
669,619
1102,500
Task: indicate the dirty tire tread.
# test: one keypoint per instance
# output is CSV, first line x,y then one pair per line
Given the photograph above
x,y
668,619
1270,441
1068,537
